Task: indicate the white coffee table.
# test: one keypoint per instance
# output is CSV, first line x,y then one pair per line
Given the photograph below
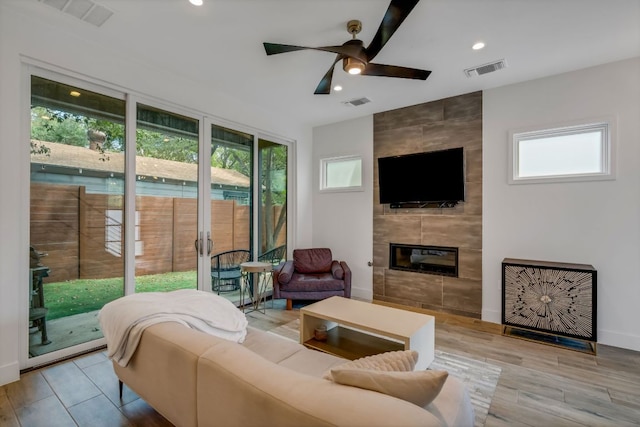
x,y
357,329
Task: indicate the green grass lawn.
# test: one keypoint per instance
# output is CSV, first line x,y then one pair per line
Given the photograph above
x,y
84,295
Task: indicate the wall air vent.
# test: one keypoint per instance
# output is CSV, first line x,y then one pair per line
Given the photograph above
x,y
86,10
357,102
486,68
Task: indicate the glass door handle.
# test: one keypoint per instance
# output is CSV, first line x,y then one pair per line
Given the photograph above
x,y
198,244
209,243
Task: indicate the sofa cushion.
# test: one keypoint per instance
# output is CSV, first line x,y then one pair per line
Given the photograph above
x,y
316,260
417,387
313,283
272,347
311,362
402,360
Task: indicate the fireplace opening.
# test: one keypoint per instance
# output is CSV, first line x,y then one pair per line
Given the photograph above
x,y
440,260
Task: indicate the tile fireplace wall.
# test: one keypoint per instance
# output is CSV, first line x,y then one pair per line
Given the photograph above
x,y
447,123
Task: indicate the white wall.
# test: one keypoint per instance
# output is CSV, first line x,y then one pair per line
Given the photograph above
x,y
54,43
344,221
590,222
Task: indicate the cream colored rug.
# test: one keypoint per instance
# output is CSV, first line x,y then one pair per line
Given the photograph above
x,y
479,377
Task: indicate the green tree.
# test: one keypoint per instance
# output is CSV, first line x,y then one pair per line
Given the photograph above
x,y
53,126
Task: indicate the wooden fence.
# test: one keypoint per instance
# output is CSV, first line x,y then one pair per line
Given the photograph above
x,y
70,225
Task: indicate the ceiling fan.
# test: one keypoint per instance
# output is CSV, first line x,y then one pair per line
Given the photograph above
x,y
356,59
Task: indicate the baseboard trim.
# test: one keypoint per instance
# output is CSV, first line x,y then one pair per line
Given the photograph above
x,y
618,339
493,316
9,373
362,293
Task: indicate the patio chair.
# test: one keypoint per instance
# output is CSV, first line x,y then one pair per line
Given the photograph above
x,y
225,270
37,310
274,256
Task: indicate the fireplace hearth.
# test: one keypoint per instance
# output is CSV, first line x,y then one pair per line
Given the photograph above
x,y
439,260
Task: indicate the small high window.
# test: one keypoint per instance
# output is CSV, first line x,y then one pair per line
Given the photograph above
x,y
341,174
581,152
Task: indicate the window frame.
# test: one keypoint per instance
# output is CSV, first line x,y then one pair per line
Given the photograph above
x,y
324,162
607,148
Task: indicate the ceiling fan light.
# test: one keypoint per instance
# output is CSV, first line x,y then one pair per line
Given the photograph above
x,y
353,66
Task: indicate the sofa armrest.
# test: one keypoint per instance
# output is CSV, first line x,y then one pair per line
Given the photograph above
x,y
337,271
347,279
282,273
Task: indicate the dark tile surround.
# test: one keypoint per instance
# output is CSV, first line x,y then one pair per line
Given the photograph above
x,y
447,123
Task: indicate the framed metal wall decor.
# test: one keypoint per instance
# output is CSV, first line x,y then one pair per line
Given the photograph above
x,y
557,300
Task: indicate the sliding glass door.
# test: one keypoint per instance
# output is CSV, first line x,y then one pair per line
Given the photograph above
x,y
76,266
273,159
167,200
128,196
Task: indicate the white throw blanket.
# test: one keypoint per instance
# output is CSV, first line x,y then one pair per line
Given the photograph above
x,y
124,319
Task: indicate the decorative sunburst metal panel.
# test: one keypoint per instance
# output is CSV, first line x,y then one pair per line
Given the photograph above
x,y
556,298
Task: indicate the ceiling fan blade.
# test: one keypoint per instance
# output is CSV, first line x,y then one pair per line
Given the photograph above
x,y
396,13
395,71
353,51
324,87
274,48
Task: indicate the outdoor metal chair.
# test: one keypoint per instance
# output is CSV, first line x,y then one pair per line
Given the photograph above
x,y
273,256
225,270
37,310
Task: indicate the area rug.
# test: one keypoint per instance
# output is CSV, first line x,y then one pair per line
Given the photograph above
x,y
479,377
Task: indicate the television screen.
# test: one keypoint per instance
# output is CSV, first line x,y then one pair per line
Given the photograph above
x,y
435,176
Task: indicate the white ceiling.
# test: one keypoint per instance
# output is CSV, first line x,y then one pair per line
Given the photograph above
x,y
220,44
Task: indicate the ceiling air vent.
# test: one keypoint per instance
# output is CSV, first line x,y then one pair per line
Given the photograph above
x,y
357,102
486,68
85,10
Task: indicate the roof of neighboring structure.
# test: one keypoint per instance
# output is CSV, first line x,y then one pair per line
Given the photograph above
x,y
72,156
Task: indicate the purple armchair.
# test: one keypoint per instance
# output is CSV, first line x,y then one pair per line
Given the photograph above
x,y
313,274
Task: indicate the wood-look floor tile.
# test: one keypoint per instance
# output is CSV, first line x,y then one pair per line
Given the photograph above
x,y
507,413
140,414
31,388
7,415
70,384
626,399
584,416
46,412
506,393
98,412
533,382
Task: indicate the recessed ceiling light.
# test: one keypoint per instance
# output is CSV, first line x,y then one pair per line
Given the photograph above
x,y
196,2
74,93
337,88
477,46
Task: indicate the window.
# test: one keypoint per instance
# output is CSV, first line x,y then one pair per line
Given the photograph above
x,y
577,152
341,174
113,233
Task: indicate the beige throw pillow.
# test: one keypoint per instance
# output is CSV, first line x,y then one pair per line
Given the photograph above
x,y
417,387
402,360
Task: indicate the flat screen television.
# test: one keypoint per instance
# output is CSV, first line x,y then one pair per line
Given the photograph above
x,y
422,178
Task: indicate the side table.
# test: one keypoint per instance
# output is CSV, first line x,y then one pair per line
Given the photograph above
x,y
257,291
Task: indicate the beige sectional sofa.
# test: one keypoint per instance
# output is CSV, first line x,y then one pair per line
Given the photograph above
x,y
195,379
